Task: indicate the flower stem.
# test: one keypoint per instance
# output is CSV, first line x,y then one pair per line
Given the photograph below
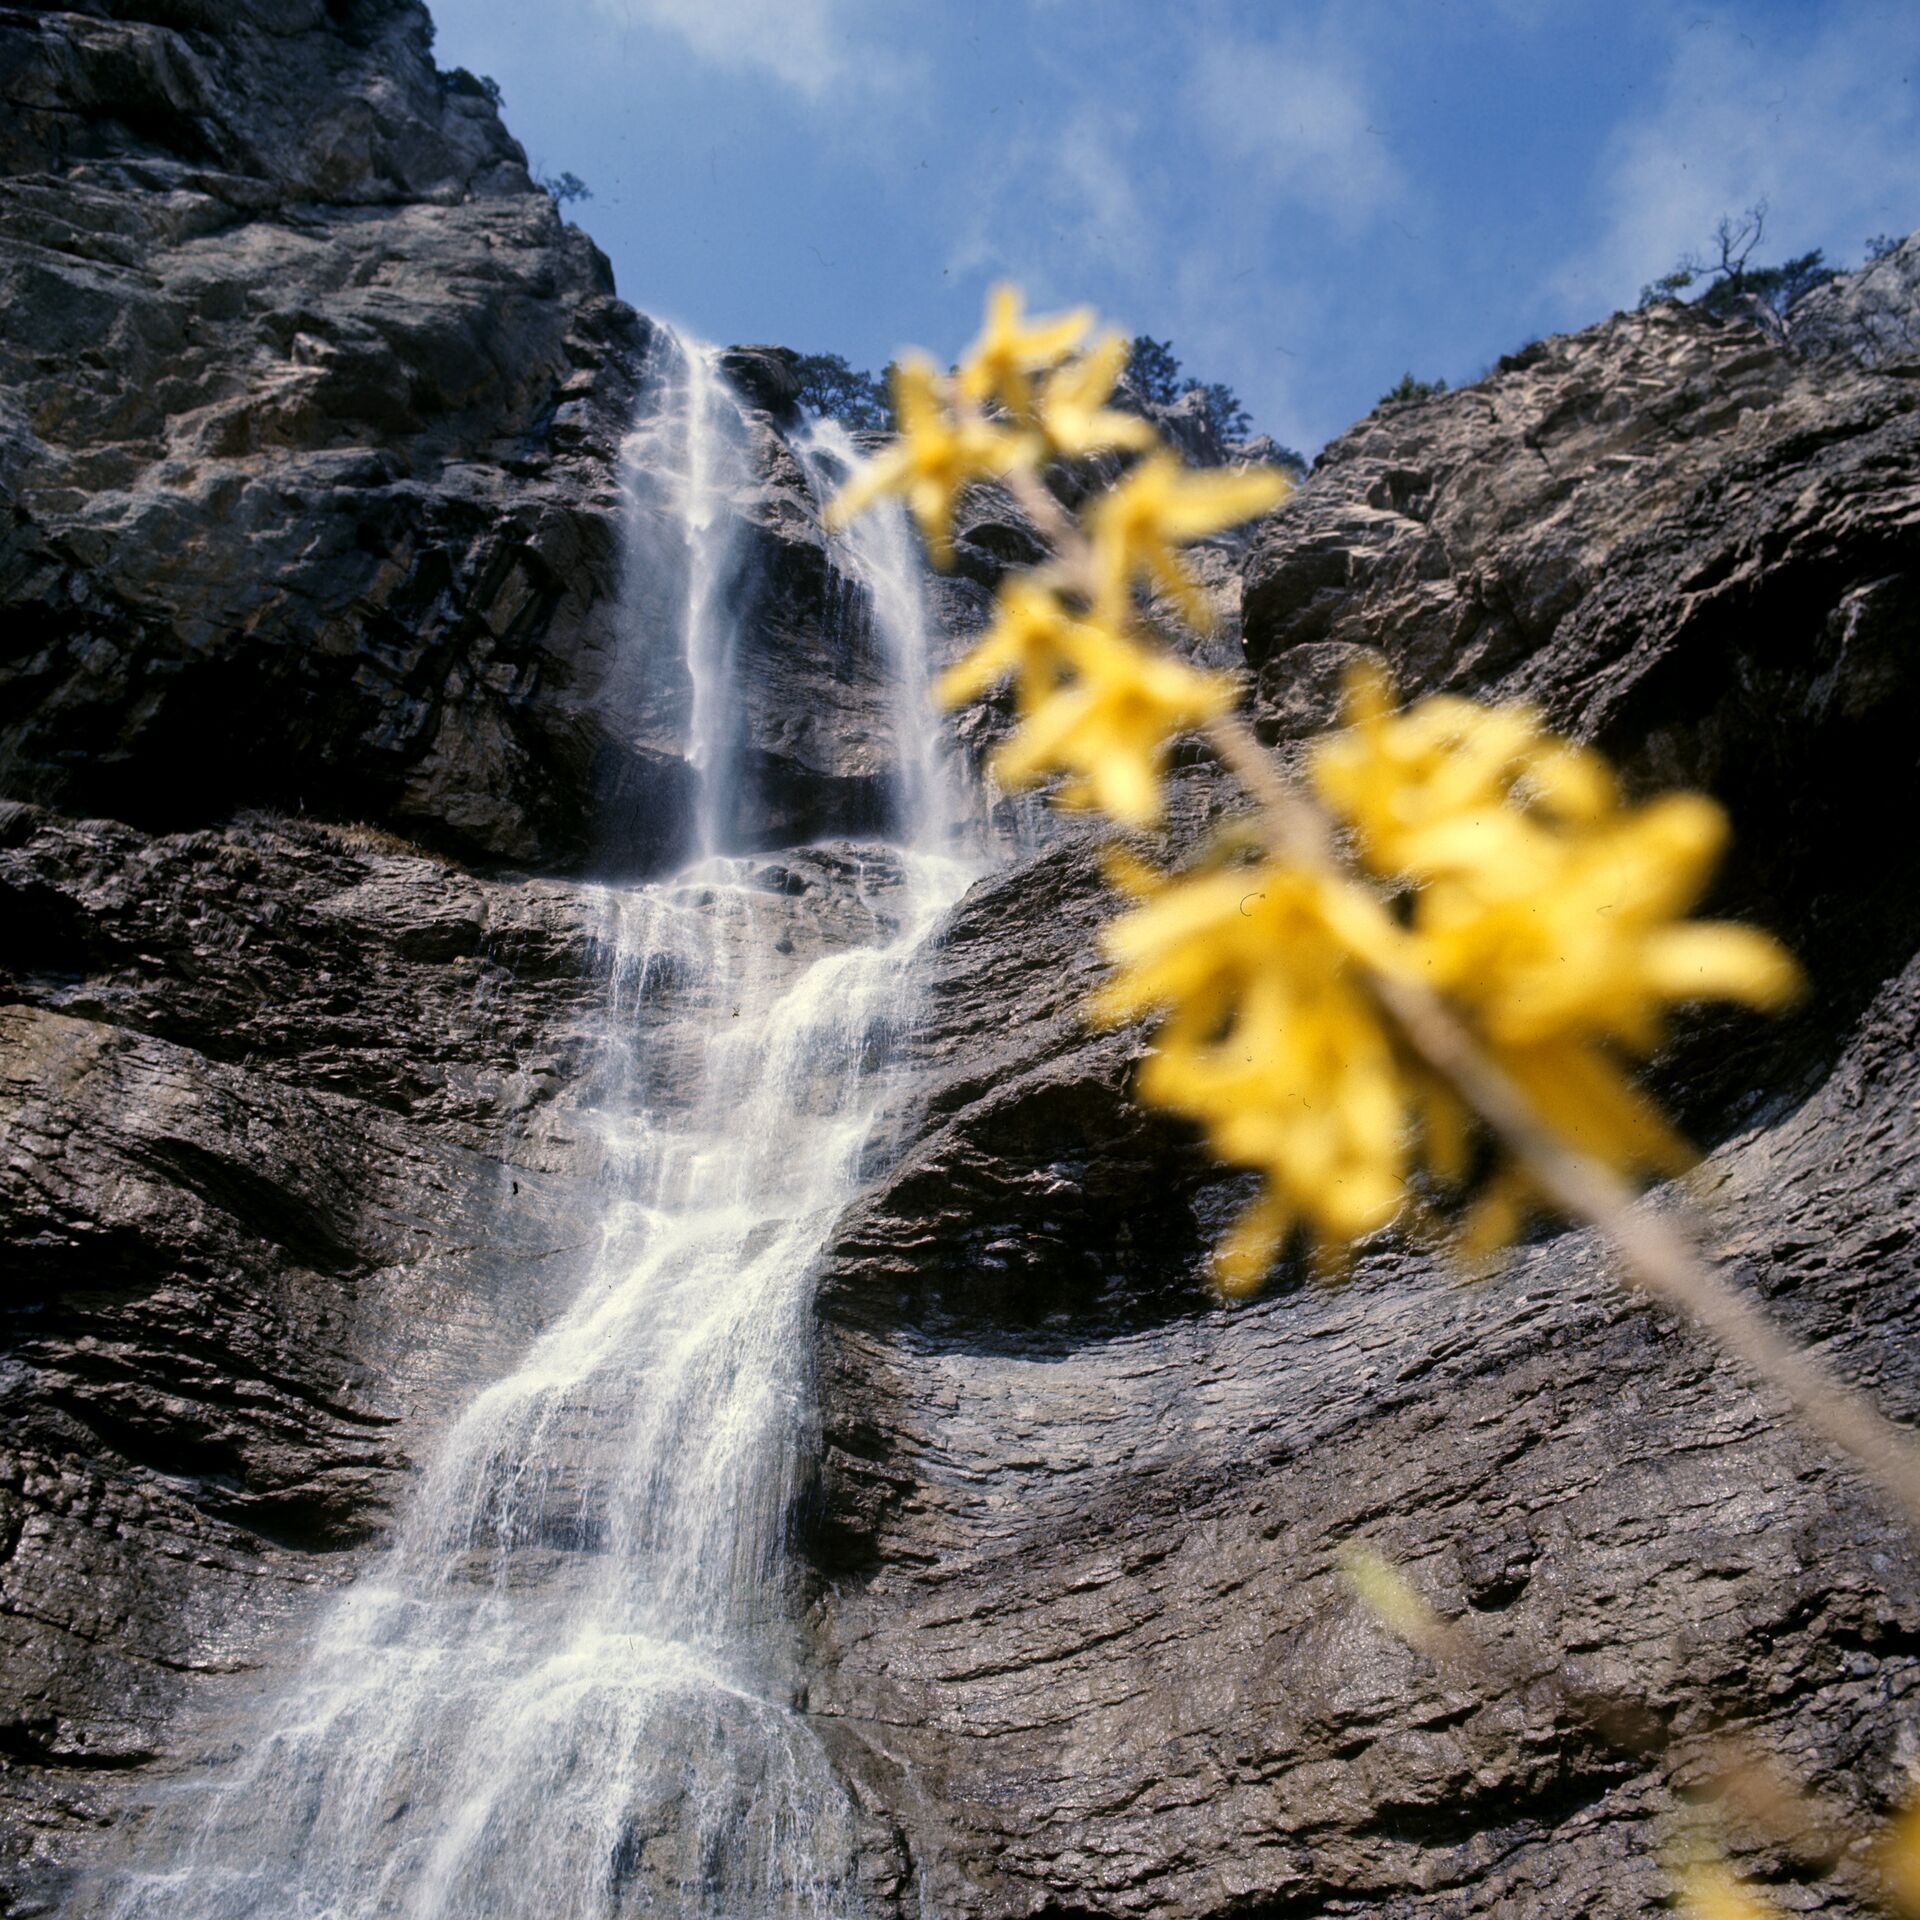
x,y
1655,1254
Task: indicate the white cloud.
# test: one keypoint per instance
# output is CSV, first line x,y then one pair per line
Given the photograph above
x,y
1059,211
1826,132
816,47
1303,121
1093,183
1166,229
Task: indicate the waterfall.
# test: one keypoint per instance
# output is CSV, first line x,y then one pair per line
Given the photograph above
x,y
573,1683
688,471
885,564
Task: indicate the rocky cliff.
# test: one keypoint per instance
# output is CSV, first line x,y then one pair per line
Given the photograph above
x,y
315,709
1079,1527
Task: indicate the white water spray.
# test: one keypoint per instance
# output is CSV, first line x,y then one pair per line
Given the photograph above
x,y
688,473
570,1687
885,563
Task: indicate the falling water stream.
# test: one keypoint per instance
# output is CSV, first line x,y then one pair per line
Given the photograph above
x,y
572,1685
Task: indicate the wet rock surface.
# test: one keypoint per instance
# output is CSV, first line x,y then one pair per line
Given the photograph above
x,y
1078,1526
310,718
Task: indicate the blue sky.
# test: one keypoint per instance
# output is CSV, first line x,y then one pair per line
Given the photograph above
x,y
1307,198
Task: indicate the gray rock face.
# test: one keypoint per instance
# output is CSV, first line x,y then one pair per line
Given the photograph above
x,y
1078,1526
1869,315
768,377
312,699
311,402
310,417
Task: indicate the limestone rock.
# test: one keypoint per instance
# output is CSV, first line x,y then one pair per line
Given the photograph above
x,y
328,520
1869,315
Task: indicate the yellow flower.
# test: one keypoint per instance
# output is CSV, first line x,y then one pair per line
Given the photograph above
x,y
1540,911
1031,635
1544,935
1161,505
1394,774
933,458
1009,350
1108,722
1270,1042
1545,913
1074,414
1899,1860
1708,1891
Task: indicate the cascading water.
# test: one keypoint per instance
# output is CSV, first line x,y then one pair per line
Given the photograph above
x,y
688,473
569,1687
886,565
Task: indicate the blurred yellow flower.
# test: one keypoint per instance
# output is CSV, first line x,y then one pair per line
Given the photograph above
x,y
1388,1595
1544,912
1506,877
1545,935
1395,774
1709,1891
1899,1860
1268,1039
932,459
1009,350
1031,636
1108,720
1074,414
1160,505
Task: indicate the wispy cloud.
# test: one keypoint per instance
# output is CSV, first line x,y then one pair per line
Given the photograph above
x,y
1059,210
1093,182
1302,121
816,48
1163,214
1825,130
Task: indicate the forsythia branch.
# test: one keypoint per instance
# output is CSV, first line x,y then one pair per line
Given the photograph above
x,y
1514,929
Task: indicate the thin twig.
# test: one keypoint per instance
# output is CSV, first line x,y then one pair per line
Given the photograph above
x,y
1656,1257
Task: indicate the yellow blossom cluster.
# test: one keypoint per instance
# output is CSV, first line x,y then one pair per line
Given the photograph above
x,y
1500,870
946,440
1544,912
1511,881
1095,703
1270,1040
